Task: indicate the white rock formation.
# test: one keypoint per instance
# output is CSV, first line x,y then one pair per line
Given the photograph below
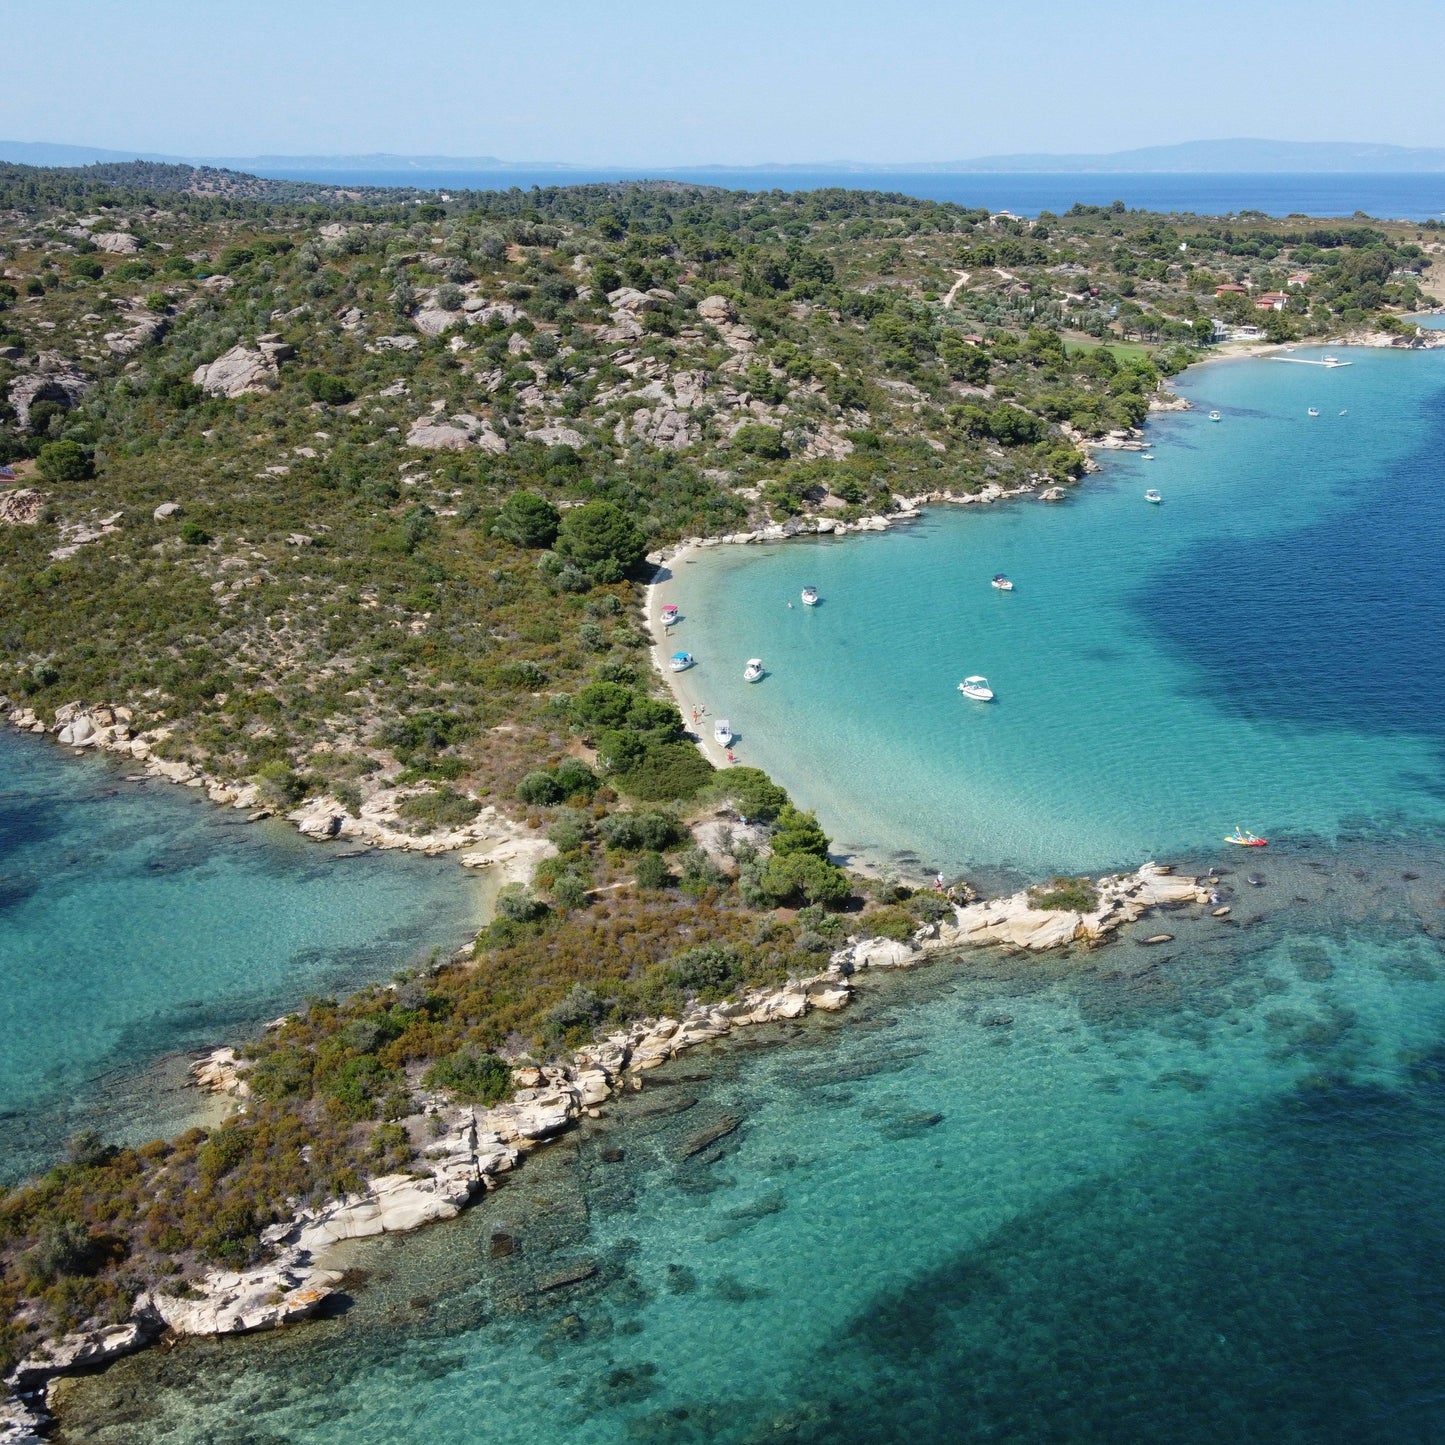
x,y
236,372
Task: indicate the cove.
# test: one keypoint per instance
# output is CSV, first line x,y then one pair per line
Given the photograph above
x,y
137,921
1262,648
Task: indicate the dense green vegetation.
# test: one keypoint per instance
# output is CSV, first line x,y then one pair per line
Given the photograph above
x,y
407,555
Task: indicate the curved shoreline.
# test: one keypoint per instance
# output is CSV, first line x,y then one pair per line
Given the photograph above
x,y
473,1147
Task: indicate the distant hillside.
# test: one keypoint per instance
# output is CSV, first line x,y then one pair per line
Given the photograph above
x,y
1226,156
1203,156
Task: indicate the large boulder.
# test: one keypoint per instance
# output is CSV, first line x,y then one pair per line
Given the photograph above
x,y
717,309
83,1351
117,243
235,1303
236,372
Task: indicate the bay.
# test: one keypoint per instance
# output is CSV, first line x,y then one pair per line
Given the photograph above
x,y
138,921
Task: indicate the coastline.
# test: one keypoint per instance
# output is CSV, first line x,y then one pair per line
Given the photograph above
x,y
472,1146
685,1031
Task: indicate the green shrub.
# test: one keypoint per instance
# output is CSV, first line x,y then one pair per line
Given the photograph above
x,y
666,772
1077,895
194,535
64,461
279,785
710,970
540,788
602,540
757,797
472,1076
440,808
634,832
332,390
527,520
651,872
517,904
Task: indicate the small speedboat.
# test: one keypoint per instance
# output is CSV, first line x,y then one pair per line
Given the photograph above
x,y
1216,416
810,596
753,672
1243,838
722,734
670,615
1314,411
1146,456
1002,582
1152,496
977,688
681,661
1334,361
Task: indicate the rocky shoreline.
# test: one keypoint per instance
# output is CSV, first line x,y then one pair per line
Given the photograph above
x,y
469,1148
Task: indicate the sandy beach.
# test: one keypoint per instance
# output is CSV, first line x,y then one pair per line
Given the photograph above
x,y
666,641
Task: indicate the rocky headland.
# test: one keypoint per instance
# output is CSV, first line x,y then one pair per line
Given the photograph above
x,y
464,1150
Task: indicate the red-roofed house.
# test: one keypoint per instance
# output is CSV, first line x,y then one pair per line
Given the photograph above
x,y
1231,286
1271,301
1298,278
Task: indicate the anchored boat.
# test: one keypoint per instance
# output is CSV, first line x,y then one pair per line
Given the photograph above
x,y
1243,838
810,596
722,733
1216,416
1002,582
977,688
681,661
1152,496
1314,411
669,614
753,672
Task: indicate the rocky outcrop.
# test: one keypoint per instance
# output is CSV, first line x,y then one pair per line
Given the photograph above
x,y
231,1303
75,535
56,380
237,372
513,858
456,433
219,1072
117,243
1018,922
557,436
22,508
86,1350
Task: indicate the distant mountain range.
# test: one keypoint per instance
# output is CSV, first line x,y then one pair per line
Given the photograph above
x,y
1204,156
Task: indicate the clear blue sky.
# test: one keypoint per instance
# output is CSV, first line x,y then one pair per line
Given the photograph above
x,y
737,82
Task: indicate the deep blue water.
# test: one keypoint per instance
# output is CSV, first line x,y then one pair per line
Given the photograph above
x,y
137,920
1402,197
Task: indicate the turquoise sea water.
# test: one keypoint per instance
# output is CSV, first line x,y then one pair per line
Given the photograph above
x,y
1262,648
137,920
1184,1193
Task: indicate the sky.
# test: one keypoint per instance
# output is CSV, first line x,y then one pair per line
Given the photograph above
x,y
735,83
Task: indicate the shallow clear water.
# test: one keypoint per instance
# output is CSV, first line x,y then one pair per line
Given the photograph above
x,y
1186,1193
1262,648
137,920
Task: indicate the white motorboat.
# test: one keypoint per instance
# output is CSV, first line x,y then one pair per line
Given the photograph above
x,y
977,688
1152,496
670,615
1314,411
1146,456
1216,416
1002,582
753,672
722,734
681,661
1334,361
810,596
